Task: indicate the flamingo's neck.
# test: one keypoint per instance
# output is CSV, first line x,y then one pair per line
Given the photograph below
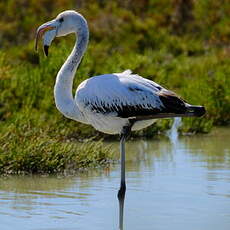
x,y
64,82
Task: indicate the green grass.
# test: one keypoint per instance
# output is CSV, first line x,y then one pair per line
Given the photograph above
x,y
29,150
188,55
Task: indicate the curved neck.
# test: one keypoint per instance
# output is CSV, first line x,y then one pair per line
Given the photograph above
x,y
64,82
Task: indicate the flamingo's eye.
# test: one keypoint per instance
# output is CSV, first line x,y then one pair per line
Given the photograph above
x,y
61,20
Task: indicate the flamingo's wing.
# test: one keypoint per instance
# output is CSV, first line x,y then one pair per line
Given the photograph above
x,y
123,95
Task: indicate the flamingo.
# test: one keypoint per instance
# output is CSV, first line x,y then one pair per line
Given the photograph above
x,y
116,103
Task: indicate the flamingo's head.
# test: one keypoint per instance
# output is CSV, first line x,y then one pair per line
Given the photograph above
x,y
65,23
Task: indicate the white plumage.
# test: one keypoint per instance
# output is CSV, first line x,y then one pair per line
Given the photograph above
x,y
111,103
104,100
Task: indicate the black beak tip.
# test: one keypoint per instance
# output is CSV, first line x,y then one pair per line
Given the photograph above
x,y
46,50
199,111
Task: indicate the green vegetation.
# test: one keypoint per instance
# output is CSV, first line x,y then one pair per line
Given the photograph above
x,y
183,45
44,155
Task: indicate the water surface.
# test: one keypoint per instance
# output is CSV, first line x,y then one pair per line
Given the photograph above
x,y
179,185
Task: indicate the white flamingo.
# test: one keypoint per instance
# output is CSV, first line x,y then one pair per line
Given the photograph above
x,y
112,103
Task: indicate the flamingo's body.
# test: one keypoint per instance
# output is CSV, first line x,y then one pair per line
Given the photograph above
x,y
111,103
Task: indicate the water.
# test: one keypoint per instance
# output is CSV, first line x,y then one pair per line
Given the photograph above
x,y
179,185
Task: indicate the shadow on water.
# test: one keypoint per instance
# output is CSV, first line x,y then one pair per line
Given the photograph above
x,y
186,178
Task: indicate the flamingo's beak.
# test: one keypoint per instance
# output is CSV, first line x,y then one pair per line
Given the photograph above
x,y
40,31
46,50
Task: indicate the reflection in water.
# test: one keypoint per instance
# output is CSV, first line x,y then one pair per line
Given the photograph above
x,y
213,150
121,200
173,136
168,187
